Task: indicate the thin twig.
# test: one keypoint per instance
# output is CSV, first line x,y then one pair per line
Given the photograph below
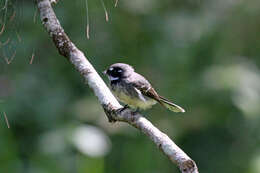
x,y
35,15
11,59
87,28
6,120
31,61
2,29
4,8
105,9
116,3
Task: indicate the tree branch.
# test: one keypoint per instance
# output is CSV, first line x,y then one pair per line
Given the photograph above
x,y
105,97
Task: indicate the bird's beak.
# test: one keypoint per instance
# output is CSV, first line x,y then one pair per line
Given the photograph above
x,y
104,72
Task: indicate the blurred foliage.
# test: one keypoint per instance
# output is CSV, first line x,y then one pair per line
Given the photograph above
x,y
204,55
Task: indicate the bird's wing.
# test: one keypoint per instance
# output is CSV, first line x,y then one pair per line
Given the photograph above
x,y
147,90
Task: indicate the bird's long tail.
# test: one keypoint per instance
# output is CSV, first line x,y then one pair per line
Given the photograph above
x,y
169,105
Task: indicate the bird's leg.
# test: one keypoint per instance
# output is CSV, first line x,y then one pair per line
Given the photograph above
x,y
111,119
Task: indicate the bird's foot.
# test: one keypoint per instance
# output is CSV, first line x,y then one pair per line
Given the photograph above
x,y
111,119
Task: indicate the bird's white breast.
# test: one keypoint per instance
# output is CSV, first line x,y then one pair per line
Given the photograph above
x,y
135,102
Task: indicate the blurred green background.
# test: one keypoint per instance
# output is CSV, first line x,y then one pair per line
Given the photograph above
x,y
202,54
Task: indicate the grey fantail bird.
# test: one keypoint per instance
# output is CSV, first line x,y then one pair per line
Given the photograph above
x,y
134,90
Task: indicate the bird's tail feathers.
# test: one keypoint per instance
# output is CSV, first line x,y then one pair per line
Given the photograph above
x,y
169,105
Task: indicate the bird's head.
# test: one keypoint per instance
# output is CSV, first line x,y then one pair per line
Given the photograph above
x,y
118,71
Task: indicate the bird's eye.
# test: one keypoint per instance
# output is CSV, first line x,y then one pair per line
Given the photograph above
x,y
115,72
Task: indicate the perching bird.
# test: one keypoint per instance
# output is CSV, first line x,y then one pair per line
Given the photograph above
x,y
134,90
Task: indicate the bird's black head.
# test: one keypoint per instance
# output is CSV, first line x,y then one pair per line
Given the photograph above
x,y
118,71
